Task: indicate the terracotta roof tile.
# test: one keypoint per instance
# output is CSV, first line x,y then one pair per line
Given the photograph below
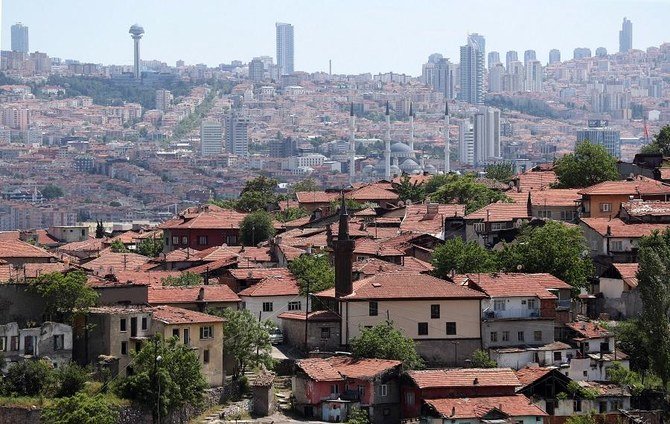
x,y
628,273
172,315
258,273
213,218
477,408
419,219
500,212
464,377
555,197
212,293
325,316
651,208
618,228
589,329
536,180
338,368
638,186
273,286
530,375
89,245
34,270
514,284
110,262
19,249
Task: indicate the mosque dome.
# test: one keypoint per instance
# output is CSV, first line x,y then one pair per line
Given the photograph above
x,y
410,166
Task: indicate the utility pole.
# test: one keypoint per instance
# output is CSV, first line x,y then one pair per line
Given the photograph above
x,y
306,315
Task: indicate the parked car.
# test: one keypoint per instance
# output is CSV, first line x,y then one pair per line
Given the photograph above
x,y
276,336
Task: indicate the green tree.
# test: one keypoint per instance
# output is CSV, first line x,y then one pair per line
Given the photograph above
x,y
480,359
463,258
554,248
308,184
314,271
624,377
80,409
654,285
503,172
409,191
29,378
384,341
660,143
150,246
261,184
117,246
466,191
357,416
184,279
71,379
167,375
250,201
582,419
51,191
247,340
590,164
257,227
630,338
435,182
99,230
289,214
64,294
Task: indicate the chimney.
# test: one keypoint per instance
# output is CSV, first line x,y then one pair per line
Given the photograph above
x,y
476,381
453,411
343,249
201,294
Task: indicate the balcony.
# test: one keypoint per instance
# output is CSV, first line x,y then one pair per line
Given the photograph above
x,y
511,313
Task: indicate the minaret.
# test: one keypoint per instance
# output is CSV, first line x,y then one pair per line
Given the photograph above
x,y
387,147
352,145
447,166
411,128
343,249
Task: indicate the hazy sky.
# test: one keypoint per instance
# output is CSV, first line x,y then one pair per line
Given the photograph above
x,y
358,35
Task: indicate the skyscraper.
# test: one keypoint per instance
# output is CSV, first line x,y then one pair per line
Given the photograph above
x,y
472,72
534,76
486,135
581,53
601,52
554,56
237,136
496,73
528,55
256,69
511,56
19,38
598,132
626,36
480,41
163,99
493,59
284,48
211,138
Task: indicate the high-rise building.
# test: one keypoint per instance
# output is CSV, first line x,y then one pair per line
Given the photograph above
x,y
554,56
496,74
284,48
237,136
163,99
534,76
19,38
472,72
256,69
601,52
513,80
528,55
211,138
466,143
581,53
486,135
599,132
626,36
480,41
511,56
444,78
494,59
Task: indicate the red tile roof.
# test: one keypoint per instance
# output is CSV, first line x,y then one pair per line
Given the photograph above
x,y
19,249
589,329
477,408
555,197
406,286
530,375
325,316
273,286
618,228
170,295
500,212
536,180
418,219
208,218
464,377
638,186
628,273
371,193
307,197
258,273
173,315
651,208
514,284
144,277
110,262
89,245
373,266
34,270
338,368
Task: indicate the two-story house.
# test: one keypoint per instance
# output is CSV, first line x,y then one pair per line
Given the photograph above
x,y
614,238
503,409
619,291
596,352
496,222
443,318
51,341
558,204
328,388
604,200
196,298
272,296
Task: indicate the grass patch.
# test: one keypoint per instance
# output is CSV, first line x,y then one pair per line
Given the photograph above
x,y
24,401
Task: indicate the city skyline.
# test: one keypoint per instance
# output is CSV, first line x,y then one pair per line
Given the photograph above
x,y
556,25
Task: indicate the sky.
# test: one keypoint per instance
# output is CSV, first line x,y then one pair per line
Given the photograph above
x,y
357,35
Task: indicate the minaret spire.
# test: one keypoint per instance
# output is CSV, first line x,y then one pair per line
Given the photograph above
x,y
411,128
387,146
447,165
343,249
352,144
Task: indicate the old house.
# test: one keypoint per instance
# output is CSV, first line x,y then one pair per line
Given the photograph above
x,y
51,341
273,295
500,409
604,200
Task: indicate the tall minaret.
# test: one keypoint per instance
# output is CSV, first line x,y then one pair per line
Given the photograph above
x,y
411,128
343,250
447,166
352,145
387,147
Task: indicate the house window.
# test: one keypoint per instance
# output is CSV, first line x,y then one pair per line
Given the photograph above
x,y
384,390
175,332
122,325
605,207
479,227
144,323
267,306
602,406
499,305
202,240
361,391
423,329
184,240
124,348
205,356
520,336
373,309
497,226
231,240
505,336
14,343
585,373
451,328
334,389
558,356
532,304
325,332
577,405
616,245
435,311
206,332
138,346
175,240
537,335
59,342
409,398
294,306
494,336
3,344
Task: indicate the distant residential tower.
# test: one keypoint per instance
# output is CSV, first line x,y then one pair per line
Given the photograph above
x,y
626,36
285,48
19,38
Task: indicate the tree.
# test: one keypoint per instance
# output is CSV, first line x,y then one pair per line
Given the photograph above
x,y
480,359
65,294
289,214
81,408
71,379
247,340
630,338
435,182
409,191
654,285
314,271
150,246
29,378
99,230
261,184
554,248
465,190
167,375
384,341
463,258
308,184
51,191
253,201
357,416
589,165
257,227
117,246
503,172
184,279
660,143
582,419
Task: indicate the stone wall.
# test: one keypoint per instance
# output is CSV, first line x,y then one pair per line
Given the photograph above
x,y
444,352
16,415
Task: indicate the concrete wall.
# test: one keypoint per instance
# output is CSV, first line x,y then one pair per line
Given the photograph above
x,y
279,305
528,327
294,334
133,295
451,353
